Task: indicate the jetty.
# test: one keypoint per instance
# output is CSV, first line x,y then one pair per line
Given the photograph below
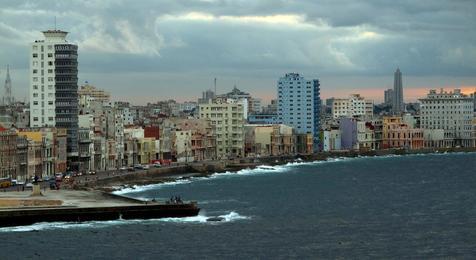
x,y
21,208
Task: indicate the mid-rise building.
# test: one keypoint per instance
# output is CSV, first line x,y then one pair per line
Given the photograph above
x,y
299,105
353,106
450,111
228,119
255,106
206,96
54,86
388,96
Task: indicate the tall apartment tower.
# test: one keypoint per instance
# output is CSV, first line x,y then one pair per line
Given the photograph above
x,y
398,106
299,105
54,86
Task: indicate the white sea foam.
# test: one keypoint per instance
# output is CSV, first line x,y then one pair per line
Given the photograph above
x,y
264,169
230,217
141,188
62,225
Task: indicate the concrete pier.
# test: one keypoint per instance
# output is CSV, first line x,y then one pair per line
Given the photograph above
x,y
19,208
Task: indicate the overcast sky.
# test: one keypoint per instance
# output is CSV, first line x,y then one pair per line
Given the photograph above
x,y
145,51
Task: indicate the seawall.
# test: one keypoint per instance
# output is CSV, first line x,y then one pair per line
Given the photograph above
x,y
205,168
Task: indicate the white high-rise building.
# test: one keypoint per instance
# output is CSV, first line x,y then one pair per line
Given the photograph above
x,y
54,86
355,105
299,104
451,112
398,105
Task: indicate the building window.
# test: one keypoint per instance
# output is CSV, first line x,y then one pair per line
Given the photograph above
x,y
50,55
35,55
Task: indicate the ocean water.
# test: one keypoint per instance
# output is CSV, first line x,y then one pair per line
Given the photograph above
x,y
418,206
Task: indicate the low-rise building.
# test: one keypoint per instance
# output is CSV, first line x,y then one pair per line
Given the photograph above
x,y
331,140
8,153
397,134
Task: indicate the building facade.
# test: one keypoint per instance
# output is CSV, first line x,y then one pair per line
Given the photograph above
x,y
54,86
93,92
228,119
8,153
388,97
299,105
353,106
397,134
451,112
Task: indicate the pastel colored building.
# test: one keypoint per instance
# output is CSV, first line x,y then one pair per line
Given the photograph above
x,y
397,134
228,119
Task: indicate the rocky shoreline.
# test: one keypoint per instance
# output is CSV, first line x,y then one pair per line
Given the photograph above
x,y
207,168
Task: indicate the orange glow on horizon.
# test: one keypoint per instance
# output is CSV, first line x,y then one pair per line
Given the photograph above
x,y
411,94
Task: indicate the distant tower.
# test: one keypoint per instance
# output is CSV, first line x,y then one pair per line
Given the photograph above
x,y
8,99
397,102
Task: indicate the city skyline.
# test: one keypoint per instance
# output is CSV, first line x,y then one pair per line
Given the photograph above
x,y
158,48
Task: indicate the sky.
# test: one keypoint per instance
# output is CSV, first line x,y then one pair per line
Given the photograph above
x,y
150,50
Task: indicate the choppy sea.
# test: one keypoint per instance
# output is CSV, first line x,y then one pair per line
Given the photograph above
x,y
415,206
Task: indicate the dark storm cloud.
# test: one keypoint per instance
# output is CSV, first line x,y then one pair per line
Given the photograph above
x,y
248,38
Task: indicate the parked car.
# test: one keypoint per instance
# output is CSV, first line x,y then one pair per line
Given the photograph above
x,y
145,167
131,169
138,167
157,165
123,168
92,172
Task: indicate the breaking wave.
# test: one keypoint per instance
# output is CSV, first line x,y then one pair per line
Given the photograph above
x,y
230,217
43,226
264,169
